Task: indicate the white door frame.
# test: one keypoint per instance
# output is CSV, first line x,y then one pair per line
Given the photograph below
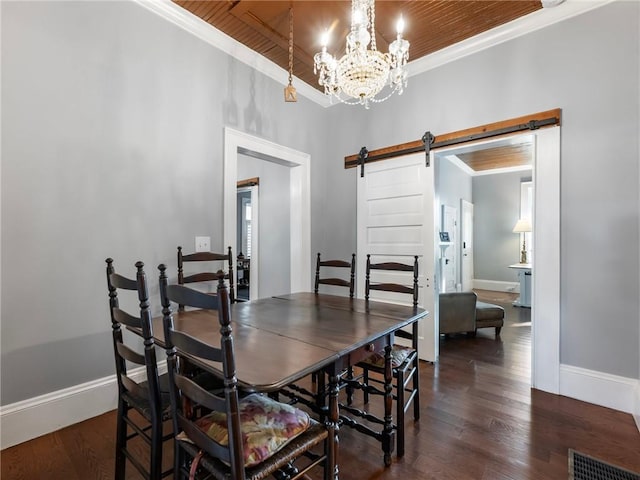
x,y
545,312
545,292
236,142
466,238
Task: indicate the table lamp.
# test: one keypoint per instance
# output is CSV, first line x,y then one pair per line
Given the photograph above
x,y
523,225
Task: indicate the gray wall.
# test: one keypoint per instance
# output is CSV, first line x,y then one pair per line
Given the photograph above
x,y
112,132
112,146
496,200
452,185
588,66
496,209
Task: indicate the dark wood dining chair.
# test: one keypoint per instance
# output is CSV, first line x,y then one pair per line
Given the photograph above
x,y
337,282
317,379
228,442
208,275
149,399
404,360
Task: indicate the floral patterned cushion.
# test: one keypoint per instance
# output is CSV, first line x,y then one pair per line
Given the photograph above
x,y
267,426
398,355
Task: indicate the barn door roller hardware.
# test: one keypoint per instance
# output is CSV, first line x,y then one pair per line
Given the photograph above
x,y
362,158
429,142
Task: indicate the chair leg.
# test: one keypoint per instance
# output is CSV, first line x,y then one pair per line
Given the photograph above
x,y
400,411
155,470
498,331
320,393
349,387
121,441
178,461
365,381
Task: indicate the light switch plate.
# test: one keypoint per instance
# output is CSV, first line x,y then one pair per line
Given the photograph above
x,y
203,244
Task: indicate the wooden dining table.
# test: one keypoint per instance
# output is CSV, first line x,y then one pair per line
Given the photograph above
x,y
280,340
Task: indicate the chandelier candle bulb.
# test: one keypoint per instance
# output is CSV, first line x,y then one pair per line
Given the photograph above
x,y
357,17
324,41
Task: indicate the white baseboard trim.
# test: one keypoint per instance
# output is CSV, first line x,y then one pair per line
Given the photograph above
x,y
496,286
31,418
599,388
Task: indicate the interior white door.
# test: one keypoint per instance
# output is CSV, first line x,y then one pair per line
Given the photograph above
x,y
395,221
466,245
248,242
449,258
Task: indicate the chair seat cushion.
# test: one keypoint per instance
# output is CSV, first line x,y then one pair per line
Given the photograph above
x,y
399,354
267,426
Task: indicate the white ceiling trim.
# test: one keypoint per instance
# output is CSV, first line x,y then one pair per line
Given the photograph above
x,y
529,23
211,35
514,29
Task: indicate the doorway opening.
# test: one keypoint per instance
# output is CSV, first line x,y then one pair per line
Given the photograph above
x,y
247,238
238,145
545,314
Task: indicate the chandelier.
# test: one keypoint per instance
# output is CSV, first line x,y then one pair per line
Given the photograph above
x,y
363,72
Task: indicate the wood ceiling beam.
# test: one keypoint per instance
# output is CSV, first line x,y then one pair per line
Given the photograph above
x,y
241,11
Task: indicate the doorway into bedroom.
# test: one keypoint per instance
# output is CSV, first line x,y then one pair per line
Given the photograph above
x,y
488,189
483,192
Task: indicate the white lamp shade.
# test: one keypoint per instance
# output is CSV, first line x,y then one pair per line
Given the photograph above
x,y
522,226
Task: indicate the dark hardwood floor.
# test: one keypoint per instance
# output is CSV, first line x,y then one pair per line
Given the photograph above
x,y
480,420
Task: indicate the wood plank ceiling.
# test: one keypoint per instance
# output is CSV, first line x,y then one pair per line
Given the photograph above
x,y
504,156
431,25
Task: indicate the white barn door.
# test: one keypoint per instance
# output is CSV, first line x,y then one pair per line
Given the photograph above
x,y
395,220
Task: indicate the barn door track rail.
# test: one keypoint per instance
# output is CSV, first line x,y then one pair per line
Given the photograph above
x,y
430,142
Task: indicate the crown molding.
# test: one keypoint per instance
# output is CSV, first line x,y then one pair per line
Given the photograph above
x,y
514,29
211,35
553,13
